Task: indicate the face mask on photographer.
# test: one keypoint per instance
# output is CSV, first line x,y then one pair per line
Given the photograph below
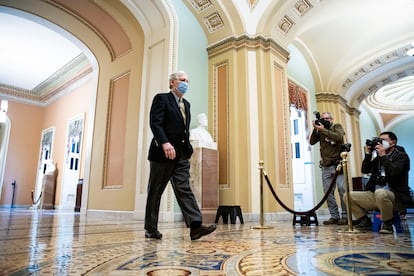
x,y
386,144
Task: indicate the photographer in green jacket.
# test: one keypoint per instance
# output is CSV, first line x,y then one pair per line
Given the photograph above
x,y
330,137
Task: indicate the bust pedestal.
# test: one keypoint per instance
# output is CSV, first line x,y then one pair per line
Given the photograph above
x,y
49,189
204,180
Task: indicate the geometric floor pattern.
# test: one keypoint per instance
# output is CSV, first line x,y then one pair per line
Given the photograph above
x,y
36,242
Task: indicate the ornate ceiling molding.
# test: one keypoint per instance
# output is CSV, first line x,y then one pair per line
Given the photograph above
x,y
200,5
375,64
298,10
285,24
378,85
213,22
77,69
394,95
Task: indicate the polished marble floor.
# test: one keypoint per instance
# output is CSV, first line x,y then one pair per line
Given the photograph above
x,y
40,242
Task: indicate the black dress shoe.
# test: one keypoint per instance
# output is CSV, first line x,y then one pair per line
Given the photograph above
x,y
365,224
153,235
198,232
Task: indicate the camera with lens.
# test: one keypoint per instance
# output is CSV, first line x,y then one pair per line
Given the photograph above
x,y
346,147
326,124
379,179
376,179
373,142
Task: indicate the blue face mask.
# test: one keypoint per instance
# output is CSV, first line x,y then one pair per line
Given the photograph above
x,y
182,87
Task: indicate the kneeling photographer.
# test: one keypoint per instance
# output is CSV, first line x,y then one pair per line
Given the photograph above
x,y
387,188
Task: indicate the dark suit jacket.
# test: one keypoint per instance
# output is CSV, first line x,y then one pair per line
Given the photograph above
x,y
167,125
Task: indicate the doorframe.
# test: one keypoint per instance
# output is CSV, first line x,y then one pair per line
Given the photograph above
x,y
37,193
66,163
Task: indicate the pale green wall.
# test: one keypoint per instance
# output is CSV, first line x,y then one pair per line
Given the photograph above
x,y
368,130
193,59
299,71
405,135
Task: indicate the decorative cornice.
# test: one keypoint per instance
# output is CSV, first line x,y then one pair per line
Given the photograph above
x,y
330,97
58,90
72,68
335,98
17,92
75,70
246,41
352,111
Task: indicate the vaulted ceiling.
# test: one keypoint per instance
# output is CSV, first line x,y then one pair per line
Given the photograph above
x,y
354,48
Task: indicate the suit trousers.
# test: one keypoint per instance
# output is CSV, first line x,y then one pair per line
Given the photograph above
x,y
178,172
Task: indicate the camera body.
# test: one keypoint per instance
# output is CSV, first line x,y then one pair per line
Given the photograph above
x,y
373,142
346,147
320,121
374,180
378,179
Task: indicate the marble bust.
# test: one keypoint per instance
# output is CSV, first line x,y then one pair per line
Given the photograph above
x,y
50,167
199,136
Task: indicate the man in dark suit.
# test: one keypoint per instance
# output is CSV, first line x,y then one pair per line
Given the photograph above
x,y
169,152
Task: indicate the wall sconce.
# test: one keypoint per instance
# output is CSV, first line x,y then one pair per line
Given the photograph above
x,y
3,110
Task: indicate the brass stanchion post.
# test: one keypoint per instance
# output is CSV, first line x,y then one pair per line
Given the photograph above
x,y
344,156
261,200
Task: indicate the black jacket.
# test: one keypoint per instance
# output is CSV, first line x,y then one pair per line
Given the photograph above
x,y
396,166
167,125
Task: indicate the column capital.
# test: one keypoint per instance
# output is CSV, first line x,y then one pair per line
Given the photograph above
x,y
247,41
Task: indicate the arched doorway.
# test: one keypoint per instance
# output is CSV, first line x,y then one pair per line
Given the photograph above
x,y
70,76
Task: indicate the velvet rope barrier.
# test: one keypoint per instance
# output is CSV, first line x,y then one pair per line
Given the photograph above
x,y
325,197
37,200
311,211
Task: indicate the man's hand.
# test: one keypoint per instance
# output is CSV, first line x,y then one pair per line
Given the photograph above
x,y
368,150
169,150
380,149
